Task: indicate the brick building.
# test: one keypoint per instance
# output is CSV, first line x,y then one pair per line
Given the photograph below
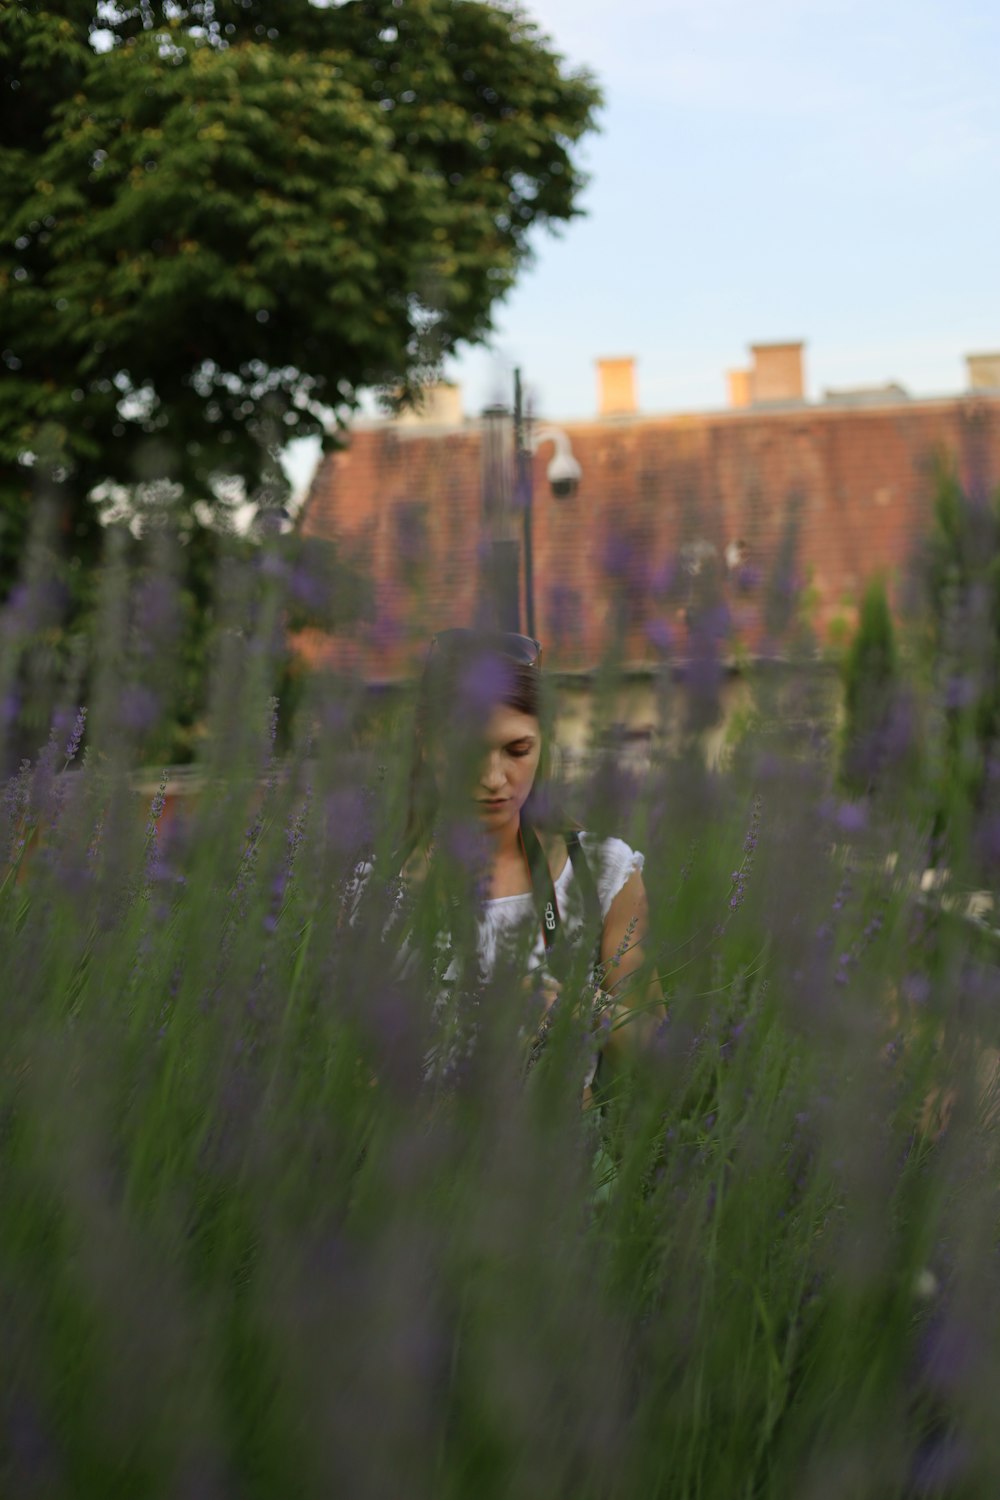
x,y
666,507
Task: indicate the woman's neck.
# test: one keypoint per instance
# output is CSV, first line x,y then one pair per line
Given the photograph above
x,y
505,843
510,873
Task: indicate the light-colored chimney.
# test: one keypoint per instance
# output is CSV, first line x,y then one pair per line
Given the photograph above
x,y
777,373
616,388
984,371
438,405
738,383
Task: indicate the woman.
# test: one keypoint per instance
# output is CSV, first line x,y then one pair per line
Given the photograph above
x,y
479,777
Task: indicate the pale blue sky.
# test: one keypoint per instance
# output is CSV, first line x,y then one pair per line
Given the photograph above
x,y
766,170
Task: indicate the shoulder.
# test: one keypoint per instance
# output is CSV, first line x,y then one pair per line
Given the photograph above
x,y
556,851
612,862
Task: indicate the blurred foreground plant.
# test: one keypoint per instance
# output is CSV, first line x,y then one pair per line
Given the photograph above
x,y
248,1249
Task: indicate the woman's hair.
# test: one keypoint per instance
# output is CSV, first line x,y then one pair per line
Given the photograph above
x,y
457,690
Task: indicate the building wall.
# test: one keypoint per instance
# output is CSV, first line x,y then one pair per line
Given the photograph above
x,y
633,549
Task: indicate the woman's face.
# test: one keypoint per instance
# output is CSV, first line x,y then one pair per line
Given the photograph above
x,y
512,743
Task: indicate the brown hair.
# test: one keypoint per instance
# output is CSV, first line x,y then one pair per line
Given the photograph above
x,y
455,686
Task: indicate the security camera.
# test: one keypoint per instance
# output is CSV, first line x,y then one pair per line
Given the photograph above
x,y
564,475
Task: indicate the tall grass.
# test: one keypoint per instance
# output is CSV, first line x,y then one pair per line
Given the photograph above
x,y
251,1245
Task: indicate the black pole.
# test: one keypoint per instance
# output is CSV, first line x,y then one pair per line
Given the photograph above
x,y
524,495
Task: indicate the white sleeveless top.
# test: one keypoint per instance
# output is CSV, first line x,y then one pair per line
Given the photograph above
x,y
503,918
611,861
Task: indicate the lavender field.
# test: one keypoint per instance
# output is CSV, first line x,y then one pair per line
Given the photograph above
x,y
252,1245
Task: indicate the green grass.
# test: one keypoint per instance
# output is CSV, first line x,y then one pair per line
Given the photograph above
x,y
244,1250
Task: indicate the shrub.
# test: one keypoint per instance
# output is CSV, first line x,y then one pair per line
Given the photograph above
x,y
250,1246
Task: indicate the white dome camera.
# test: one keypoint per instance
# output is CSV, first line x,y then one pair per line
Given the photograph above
x,y
564,475
564,472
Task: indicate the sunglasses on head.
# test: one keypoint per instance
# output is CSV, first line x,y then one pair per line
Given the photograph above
x,y
520,648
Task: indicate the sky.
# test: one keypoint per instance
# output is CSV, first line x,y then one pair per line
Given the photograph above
x,y
822,170
768,169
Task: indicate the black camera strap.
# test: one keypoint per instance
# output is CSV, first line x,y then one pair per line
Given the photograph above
x,y
543,887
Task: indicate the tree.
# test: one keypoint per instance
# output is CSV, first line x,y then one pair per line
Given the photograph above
x,y
872,699
223,218
958,566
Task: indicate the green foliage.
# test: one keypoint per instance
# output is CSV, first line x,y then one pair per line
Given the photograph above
x,y
871,678
150,609
959,635
234,216
255,1242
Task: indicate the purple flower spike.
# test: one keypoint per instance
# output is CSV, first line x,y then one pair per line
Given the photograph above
x,y
852,817
949,1355
940,1465
660,635
73,743
618,555
464,845
307,588
412,541
485,682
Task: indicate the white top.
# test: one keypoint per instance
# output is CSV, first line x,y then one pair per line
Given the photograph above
x,y
611,861
504,918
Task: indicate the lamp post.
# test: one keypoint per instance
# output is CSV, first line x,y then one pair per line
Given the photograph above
x,y
564,475
523,497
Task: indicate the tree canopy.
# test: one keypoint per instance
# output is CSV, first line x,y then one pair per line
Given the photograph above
x,y
221,219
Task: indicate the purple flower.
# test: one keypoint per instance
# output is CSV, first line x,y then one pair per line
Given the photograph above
x,y
852,817
412,543
988,839
73,743
347,818
917,989
663,579
485,682
618,554
661,636
713,623
900,731
960,692
940,1464
464,844
948,1355
386,631
307,588
139,708
152,826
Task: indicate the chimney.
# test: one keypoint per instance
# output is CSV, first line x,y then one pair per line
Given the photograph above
x,y
984,371
739,384
438,405
616,388
777,374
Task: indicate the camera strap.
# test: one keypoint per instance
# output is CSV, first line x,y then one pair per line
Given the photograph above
x,y
543,887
